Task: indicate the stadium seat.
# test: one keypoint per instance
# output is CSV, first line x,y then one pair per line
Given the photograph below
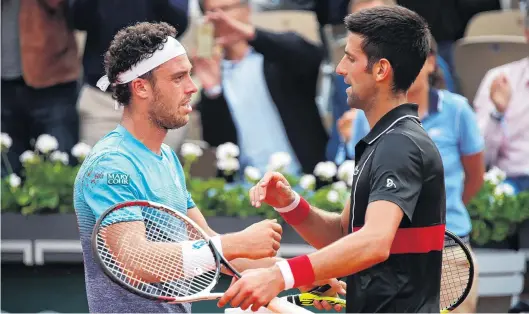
x,y
474,56
507,22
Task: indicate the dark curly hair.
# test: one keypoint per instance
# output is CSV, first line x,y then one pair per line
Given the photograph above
x,y
130,46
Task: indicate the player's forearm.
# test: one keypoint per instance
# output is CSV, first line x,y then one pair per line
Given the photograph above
x,y
350,254
318,219
242,264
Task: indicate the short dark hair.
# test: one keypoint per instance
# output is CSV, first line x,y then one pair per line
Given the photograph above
x,y
131,45
397,34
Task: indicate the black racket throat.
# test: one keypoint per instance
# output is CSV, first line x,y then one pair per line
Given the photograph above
x,y
223,260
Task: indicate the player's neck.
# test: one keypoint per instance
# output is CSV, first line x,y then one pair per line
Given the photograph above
x,y
237,51
144,130
383,105
420,98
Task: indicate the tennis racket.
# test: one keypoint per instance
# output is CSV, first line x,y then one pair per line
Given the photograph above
x,y
457,273
456,278
150,250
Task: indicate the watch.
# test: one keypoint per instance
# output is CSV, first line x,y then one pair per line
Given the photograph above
x,y
496,115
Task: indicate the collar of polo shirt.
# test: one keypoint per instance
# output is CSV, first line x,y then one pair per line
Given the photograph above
x,y
385,124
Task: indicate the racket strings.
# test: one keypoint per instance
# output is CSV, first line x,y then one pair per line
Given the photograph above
x,y
162,229
454,275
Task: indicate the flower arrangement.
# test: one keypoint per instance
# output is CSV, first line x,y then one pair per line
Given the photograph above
x,y
496,211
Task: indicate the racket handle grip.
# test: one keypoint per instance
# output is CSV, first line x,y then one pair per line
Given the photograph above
x,y
282,306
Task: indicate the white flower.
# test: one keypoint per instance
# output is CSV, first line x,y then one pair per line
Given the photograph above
x,y
81,150
339,186
307,181
27,156
228,164
279,161
346,171
14,180
495,175
333,196
46,143
325,170
60,157
227,150
5,140
252,173
504,189
191,150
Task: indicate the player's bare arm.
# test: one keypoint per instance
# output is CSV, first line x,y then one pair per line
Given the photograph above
x,y
258,241
275,190
350,254
264,237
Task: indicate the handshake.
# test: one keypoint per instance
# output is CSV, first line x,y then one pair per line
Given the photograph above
x,y
262,239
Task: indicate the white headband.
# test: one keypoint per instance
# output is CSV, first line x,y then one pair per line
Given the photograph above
x,y
171,49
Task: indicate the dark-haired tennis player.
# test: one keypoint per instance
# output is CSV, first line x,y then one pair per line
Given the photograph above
x,y
389,238
149,72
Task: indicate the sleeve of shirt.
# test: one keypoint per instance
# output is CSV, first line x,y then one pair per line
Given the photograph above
x,y
110,181
396,172
470,139
182,178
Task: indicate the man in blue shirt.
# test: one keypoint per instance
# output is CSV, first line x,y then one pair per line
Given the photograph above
x,y
149,72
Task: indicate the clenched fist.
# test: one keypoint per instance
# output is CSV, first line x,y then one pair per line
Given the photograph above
x,y
259,240
500,93
274,190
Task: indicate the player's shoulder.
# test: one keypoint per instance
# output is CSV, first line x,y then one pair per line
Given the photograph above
x,y
101,163
171,154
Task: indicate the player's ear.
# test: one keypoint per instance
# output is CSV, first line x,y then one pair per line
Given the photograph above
x,y
141,88
381,70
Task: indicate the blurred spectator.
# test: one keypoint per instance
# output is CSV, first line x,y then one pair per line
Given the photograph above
x,y
448,20
101,19
261,93
40,68
453,127
502,105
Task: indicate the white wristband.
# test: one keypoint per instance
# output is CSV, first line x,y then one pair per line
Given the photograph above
x,y
288,277
197,258
290,207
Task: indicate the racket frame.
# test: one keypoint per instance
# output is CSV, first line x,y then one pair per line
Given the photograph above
x,y
464,295
202,295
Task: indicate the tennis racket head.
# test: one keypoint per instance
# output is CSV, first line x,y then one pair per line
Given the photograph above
x,y
121,250
457,272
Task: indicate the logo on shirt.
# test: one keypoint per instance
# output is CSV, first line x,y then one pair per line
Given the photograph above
x,y
118,178
355,172
390,184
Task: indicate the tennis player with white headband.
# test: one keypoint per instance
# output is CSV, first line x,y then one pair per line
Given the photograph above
x,y
149,73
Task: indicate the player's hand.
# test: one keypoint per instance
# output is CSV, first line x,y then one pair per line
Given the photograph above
x,y
256,288
500,93
337,287
260,240
273,189
345,124
207,70
235,30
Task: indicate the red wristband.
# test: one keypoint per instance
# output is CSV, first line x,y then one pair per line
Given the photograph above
x,y
302,271
296,215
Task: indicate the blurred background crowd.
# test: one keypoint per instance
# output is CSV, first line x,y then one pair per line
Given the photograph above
x,y
277,91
